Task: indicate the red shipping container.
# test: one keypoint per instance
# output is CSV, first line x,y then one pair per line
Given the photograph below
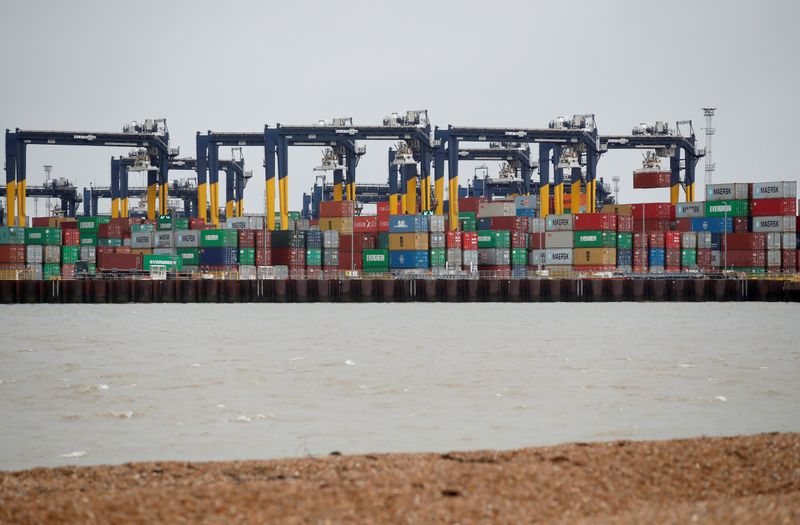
x,y
112,249
383,209
745,241
383,224
247,238
655,225
313,222
769,207
672,258
651,179
498,271
454,239
624,223
704,258
657,240
745,258
262,240
196,223
263,256
672,240
68,271
683,225
594,221
12,254
519,239
40,222
122,225
119,261
470,204
294,258
519,224
344,260
336,209
741,224
365,224
640,241
360,242
536,241
653,210
69,225
70,237
469,240
788,259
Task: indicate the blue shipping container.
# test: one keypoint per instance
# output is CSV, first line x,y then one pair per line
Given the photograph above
x,y
712,224
625,257
314,239
526,212
657,256
484,223
219,256
408,223
408,259
519,271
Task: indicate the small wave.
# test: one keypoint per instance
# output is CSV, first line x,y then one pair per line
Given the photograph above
x,y
91,388
721,398
196,365
220,406
685,365
296,359
71,417
76,454
125,414
349,362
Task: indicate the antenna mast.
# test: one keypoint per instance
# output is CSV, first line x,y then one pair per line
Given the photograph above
x,y
710,132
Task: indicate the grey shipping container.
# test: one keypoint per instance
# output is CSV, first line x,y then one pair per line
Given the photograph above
x,y
689,240
774,240
88,254
537,257
247,272
656,269
34,254
469,258
775,190
436,224
773,257
187,238
453,256
704,240
52,254
559,223
142,240
777,223
163,251
723,192
330,258
164,239
236,223
494,256
716,258
437,240
36,271
537,225
685,210
563,239
330,239
558,256
496,209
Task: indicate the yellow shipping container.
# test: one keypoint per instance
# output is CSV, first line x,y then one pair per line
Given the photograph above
x,y
342,225
142,251
620,209
594,257
408,241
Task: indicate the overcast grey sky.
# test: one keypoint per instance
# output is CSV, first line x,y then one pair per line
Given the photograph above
x,y
236,65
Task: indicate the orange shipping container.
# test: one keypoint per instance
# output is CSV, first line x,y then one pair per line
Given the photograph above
x,y
335,209
408,241
340,224
594,257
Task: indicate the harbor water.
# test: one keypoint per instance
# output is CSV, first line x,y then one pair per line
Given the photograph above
x,y
92,384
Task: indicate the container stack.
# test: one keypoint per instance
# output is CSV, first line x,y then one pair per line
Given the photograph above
x,y
559,243
219,250
408,242
12,249
314,253
594,241
289,250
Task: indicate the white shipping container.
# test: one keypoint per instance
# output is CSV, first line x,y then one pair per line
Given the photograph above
x,y
559,256
685,210
437,240
775,223
721,192
52,254
689,240
775,190
773,257
703,240
142,240
537,257
36,271
537,225
164,239
236,223
247,272
187,238
470,258
563,239
330,239
34,254
88,254
774,241
559,223
789,241
162,251
496,209
454,256
436,223
528,202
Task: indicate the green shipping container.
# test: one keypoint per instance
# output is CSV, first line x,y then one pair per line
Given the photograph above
x,y
314,257
219,238
438,257
146,227
376,260
88,239
383,241
90,224
519,257
167,222
745,269
494,239
468,225
624,241
595,239
51,270
12,235
737,208
688,258
189,256
247,256
470,215
43,236
109,242
70,254
172,263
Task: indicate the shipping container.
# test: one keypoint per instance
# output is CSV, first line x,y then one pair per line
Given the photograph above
x,y
436,223
537,225
143,227
330,258
453,239
34,254
12,254
247,238
408,223
235,223
314,239
774,190
437,240
594,257
744,258
247,256
745,241
537,258
469,259
88,253
651,179
741,224
408,241
563,239
594,222
219,239
52,254
774,224
330,209
469,241
731,191
594,239
171,263
494,239
409,259
343,225
365,224
12,235
164,239
189,256
657,257
624,241
453,256
712,224
508,223
672,240
727,208
119,261
558,256
652,210
771,207
496,209
219,255
314,257
70,254
789,260
685,210
43,236
139,239
558,223
355,261
494,256
689,240
437,257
